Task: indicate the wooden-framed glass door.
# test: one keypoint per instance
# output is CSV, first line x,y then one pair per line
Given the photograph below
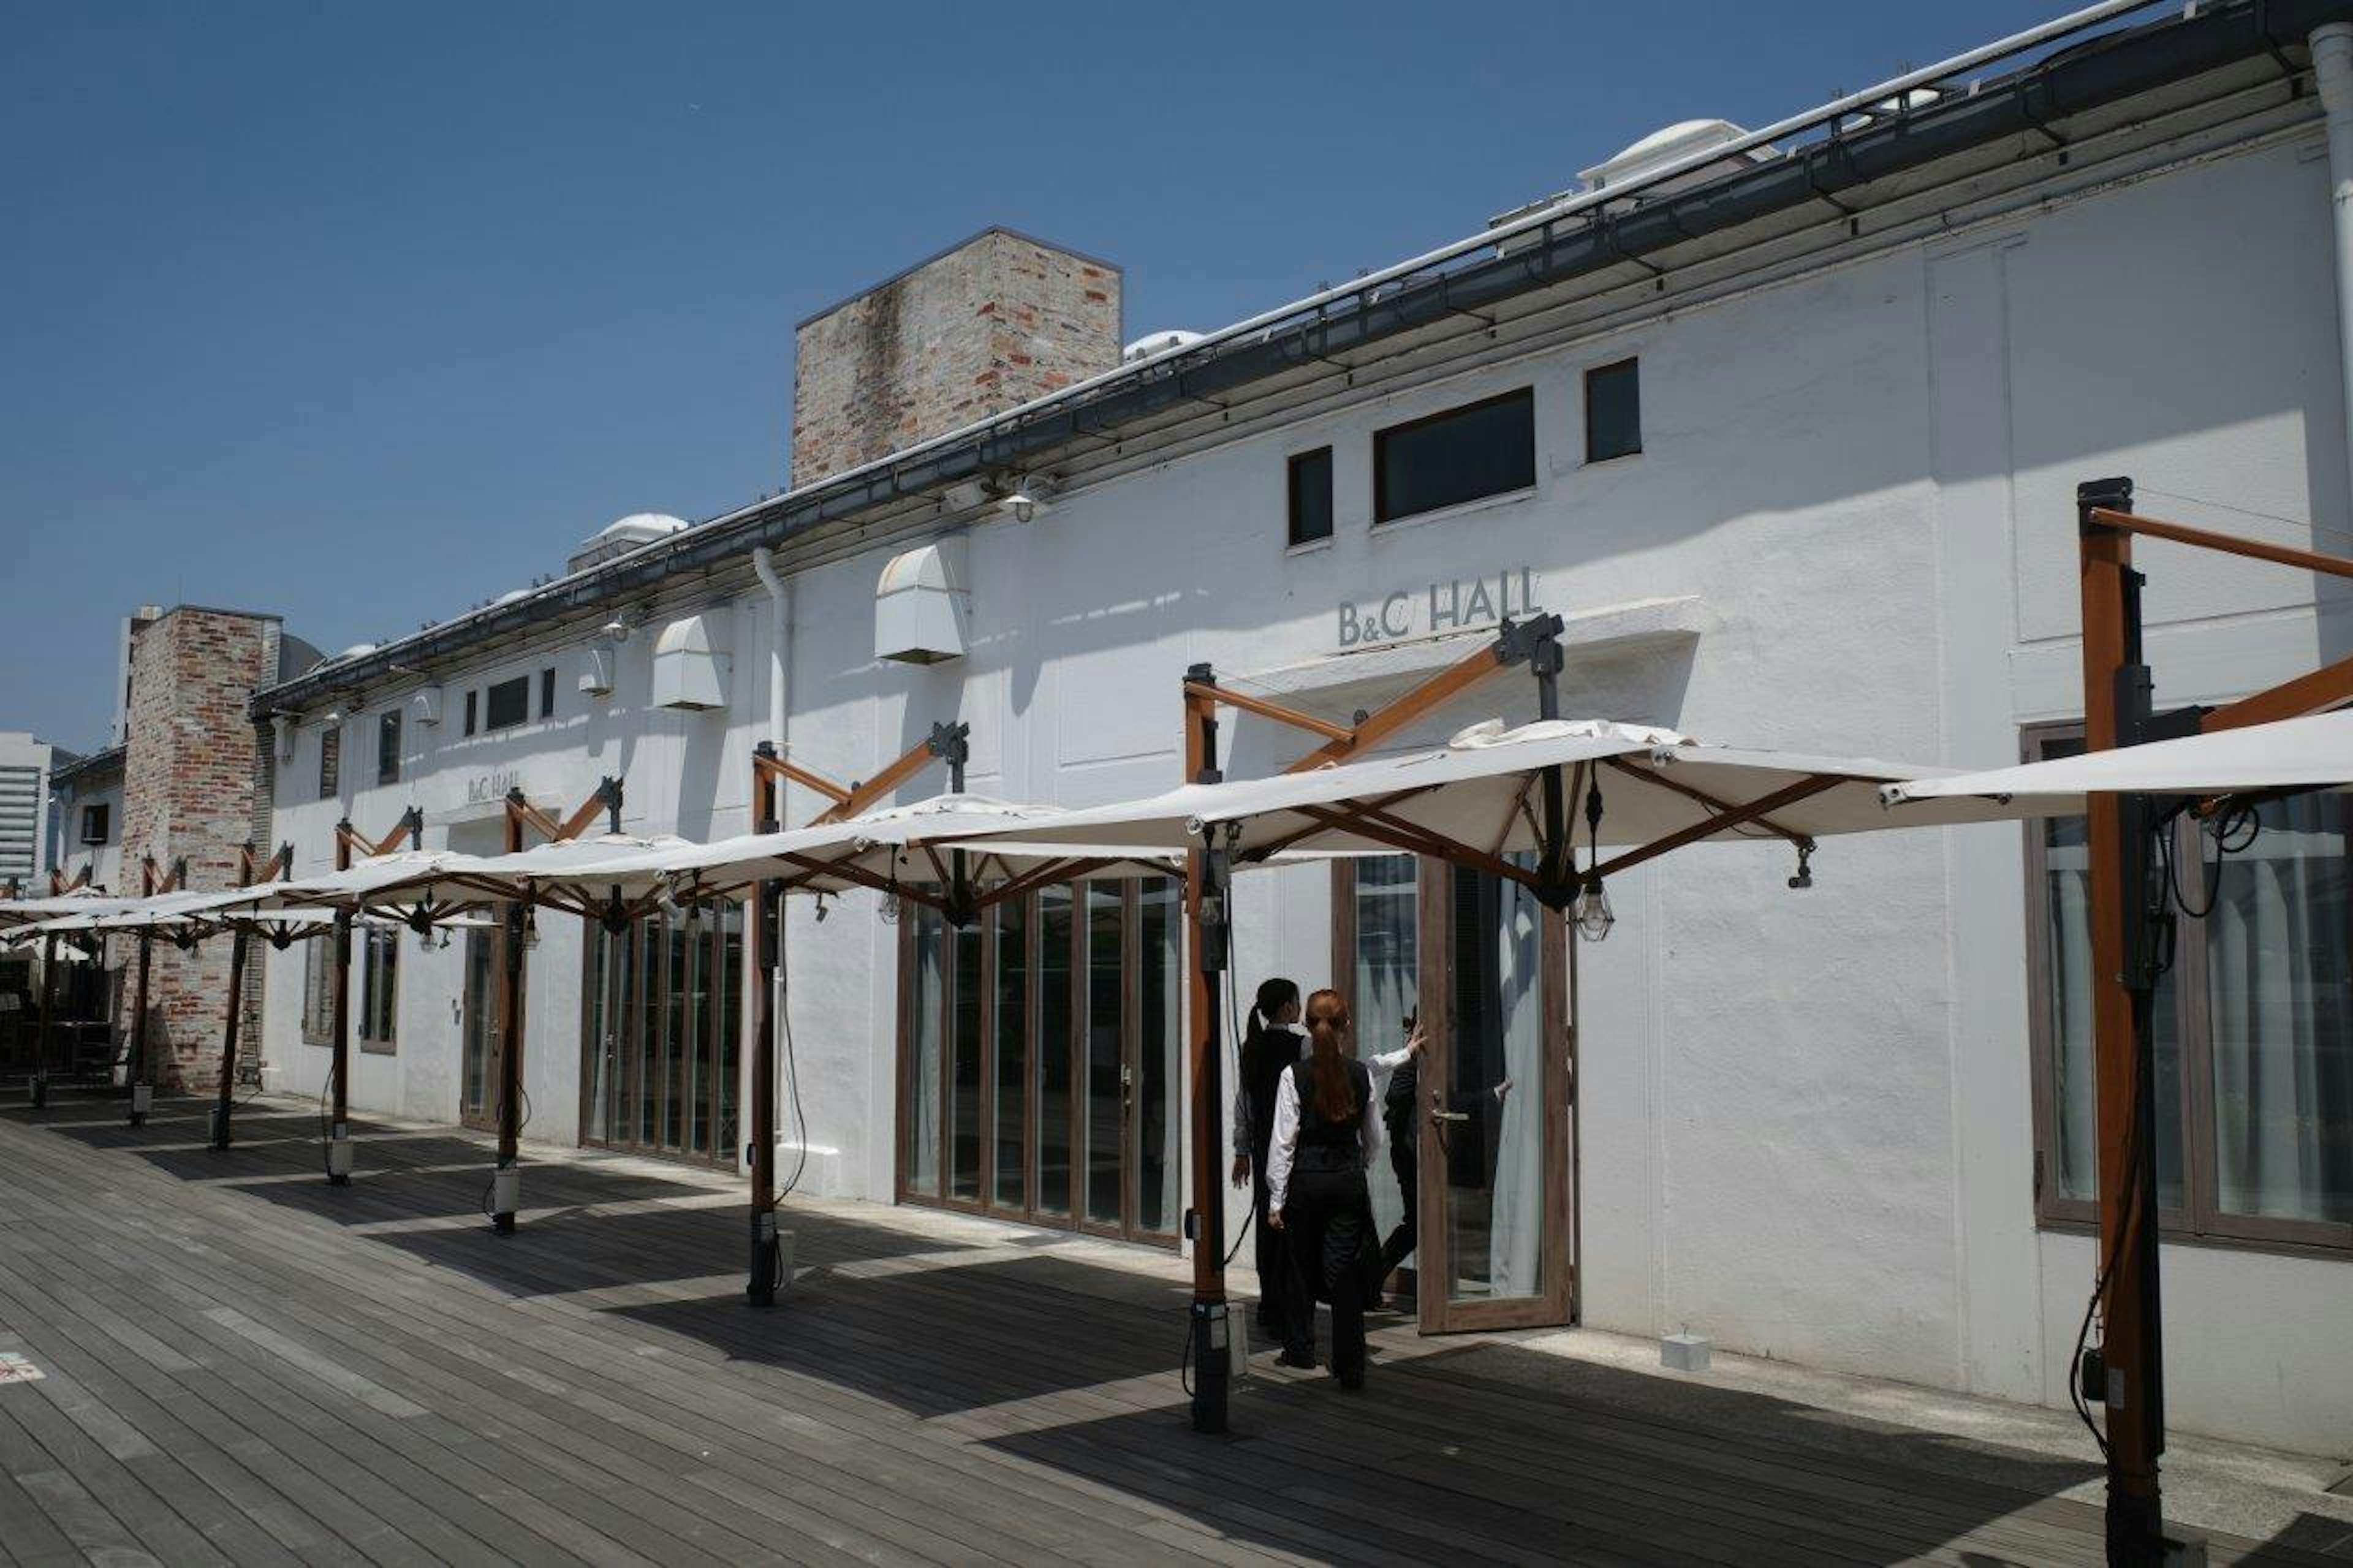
x,y
662,1038
1040,1059
481,1037
1495,1123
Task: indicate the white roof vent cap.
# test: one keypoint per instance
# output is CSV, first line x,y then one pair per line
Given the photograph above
x,y
1151,344
1669,144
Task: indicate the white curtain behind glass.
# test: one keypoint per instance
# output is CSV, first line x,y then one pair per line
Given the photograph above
x,y
2283,1054
1387,981
1517,1230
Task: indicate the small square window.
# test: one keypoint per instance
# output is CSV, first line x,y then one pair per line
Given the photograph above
x,y
546,693
1613,411
94,823
1311,496
387,747
470,698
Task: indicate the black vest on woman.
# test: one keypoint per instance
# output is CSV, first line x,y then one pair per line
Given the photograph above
x,y
1330,1145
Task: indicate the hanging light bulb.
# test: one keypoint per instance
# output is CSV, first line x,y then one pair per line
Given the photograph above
x,y
1591,911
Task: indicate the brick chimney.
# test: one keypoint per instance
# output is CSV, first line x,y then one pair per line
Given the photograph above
x,y
979,329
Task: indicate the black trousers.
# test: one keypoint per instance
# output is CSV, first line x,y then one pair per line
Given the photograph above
x,y
1405,1160
1273,1254
1327,1215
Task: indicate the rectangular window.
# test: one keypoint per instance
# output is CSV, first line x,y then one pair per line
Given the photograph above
x,y
95,822
546,693
2253,1028
376,956
387,747
1613,411
1482,449
507,704
1311,496
469,712
330,758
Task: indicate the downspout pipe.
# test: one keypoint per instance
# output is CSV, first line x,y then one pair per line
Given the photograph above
x,y
2332,69
764,564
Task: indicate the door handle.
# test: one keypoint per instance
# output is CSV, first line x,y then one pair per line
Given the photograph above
x,y
1437,1112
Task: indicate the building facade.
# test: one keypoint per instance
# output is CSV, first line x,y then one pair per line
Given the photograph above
x,y
1791,441
25,764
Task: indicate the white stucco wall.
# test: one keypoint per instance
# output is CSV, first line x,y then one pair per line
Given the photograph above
x,y
1804,1117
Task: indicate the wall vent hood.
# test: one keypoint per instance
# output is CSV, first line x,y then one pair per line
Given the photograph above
x,y
691,664
921,604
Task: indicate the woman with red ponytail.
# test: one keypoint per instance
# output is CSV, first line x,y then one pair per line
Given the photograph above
x,y
1326,1132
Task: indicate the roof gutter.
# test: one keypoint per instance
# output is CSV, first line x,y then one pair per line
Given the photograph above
x,y
1405,297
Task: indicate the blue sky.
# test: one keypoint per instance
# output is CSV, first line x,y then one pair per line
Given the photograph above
x,y
362,315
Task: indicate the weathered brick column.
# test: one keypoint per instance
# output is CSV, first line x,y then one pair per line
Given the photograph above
x,y
190,769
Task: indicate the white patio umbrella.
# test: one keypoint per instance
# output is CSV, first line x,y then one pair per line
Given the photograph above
x,y
2316,753
16,913
890,850
1479,800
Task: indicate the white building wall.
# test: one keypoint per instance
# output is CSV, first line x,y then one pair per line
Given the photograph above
x,y
1804,1119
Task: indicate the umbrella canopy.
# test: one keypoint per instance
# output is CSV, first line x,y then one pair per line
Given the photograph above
x,y
888,850
2289,754
81,901
1480,800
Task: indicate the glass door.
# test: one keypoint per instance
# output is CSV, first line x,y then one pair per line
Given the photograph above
x,y
481,1035
1377,953
662,1048
1041,1056
1492,1143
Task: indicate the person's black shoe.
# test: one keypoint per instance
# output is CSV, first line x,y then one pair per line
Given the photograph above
x,y
1292,1358
1350,1381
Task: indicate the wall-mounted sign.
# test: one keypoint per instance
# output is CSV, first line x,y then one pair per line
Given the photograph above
x,y
494,786
1452,605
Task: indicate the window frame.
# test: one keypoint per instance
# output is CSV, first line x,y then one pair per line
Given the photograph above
x,y
1293,465
490,721
104,811
1383,517
2203,1221
387,745
368,941
547,692
473,706
1633,364
330,761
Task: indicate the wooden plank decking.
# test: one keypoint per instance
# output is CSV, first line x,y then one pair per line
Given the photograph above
x,y
242,1365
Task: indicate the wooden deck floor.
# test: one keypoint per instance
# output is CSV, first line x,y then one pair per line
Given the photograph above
x,y
241,1364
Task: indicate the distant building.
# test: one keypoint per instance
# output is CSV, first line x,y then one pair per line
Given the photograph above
x,y
24,807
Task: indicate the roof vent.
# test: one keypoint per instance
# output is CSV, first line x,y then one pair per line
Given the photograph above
x,y
1151,344
1666,146
691,664
639,528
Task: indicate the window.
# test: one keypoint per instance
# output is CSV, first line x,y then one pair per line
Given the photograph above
x,y
469,711
96,820
546,693
331,760
376,956
508,703
387,747
1311,496
2253,1025
1483,449
1613,411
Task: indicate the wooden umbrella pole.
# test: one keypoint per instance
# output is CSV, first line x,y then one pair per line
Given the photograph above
x,y
2116,709
139,1073
1207,1341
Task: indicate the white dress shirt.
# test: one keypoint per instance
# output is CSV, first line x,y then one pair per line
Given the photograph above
x,y
1285,1147
1246,1114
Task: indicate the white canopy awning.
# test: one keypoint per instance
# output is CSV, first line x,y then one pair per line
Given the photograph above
x,y
2290,754
1482,792
81,901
